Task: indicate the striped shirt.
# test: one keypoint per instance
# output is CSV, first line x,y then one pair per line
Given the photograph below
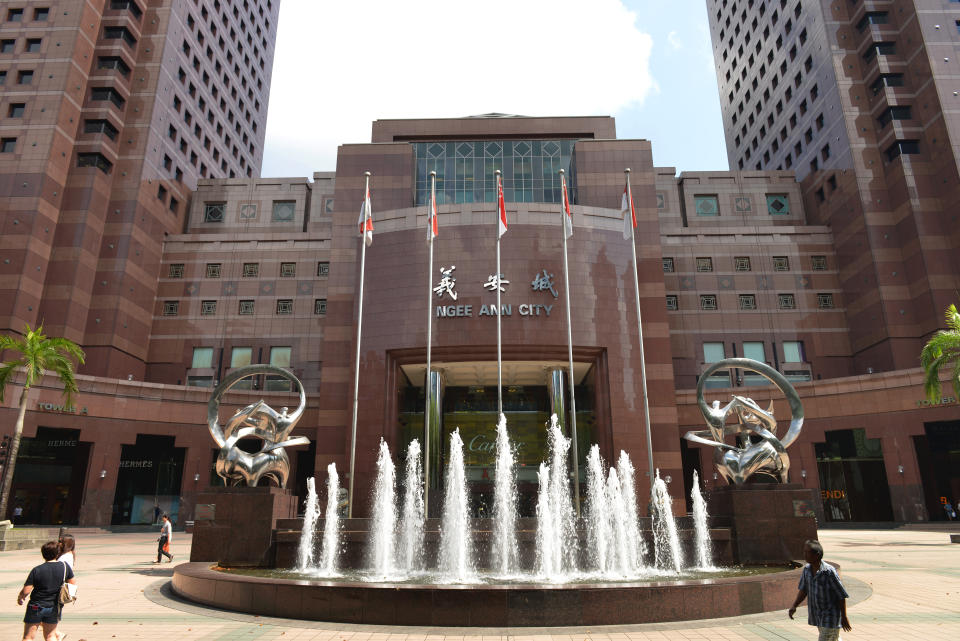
x,y
825,594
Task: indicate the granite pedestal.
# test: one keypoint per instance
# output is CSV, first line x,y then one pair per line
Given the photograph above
x,y
770,522
234,526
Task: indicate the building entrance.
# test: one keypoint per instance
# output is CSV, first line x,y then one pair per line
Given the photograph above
x,y
853,478
148,481
48,480
468,402
938,457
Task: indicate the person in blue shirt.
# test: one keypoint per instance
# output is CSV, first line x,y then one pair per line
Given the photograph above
x,y
826,597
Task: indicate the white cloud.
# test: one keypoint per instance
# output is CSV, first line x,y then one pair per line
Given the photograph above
x,y
341,65
674,40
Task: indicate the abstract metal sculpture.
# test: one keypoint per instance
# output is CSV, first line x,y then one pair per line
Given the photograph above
x,y
259,421
758,449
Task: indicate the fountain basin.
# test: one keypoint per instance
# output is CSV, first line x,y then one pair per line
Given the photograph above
x,y
487,605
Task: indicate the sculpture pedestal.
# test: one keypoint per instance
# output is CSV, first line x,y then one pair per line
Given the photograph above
x,y
234,526
770,521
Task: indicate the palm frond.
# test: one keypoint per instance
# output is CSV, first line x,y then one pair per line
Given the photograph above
x,y
953,318
7,371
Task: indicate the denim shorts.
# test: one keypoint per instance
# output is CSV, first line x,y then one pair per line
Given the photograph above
x,y
42,614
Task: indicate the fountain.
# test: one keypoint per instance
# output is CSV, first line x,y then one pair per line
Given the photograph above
x,y
702,549
331,524
666,542
383,529
456,545
554,569
311,512
504,553
412,517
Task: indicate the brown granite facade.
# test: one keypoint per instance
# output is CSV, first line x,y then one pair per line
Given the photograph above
x,y
858,98
730,264
114,109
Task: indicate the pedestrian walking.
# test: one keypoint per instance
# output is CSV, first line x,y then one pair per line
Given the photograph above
x,y
43,589
68,554
166,538
948,508
826,597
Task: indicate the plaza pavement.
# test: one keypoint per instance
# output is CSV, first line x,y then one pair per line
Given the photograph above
x,y
904,585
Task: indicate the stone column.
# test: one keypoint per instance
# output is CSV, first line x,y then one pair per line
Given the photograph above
x,y
557,386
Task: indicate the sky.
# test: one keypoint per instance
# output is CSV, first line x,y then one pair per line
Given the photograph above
x,y
341,65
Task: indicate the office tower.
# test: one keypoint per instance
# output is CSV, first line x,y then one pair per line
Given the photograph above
x,y
111,112
860,99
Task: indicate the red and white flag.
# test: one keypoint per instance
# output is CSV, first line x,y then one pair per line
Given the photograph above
x,y
432,227
501,209
365,222
626,206
567,216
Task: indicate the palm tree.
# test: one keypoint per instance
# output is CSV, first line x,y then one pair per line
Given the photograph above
x,y
35,353
942,350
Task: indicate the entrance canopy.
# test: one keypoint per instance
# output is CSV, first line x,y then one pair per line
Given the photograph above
x,y
467,373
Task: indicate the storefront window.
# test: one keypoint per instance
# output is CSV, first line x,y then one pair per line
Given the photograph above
x,y
148,481
48,481
853,478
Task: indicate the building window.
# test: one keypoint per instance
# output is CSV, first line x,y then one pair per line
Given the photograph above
x,y
129,5
320,307
213,212
202,358
672,303
713,352
793,352
284,306
902,147
15,15
175,270
103,94
778,204
41,14
33,45
7,46
171,307
241,356
323,269
706,205
280,356
162,193
208,307
24,77
119,33
754,351
897,112
94,160
8,145
668,265
251,270
704,264
213,270
741,263
100,127
786,301
819,263
748,301
113,62
288,270
199,381
246,308
283,211
825,301
708,301
781,263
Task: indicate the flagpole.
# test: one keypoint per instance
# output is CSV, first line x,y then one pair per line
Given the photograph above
x,y
356,372
573,401
427,386
499,308
643,363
